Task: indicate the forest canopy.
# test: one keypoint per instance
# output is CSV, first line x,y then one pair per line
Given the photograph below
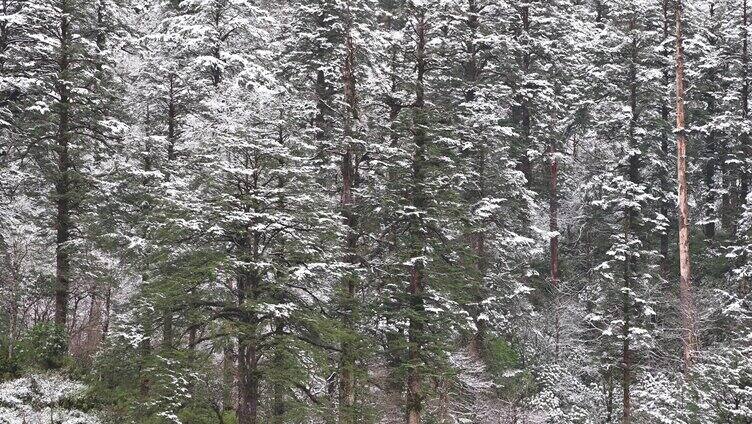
x,y
375,211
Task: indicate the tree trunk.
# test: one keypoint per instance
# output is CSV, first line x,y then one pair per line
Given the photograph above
x,y
419,202
63,189
689,338
248,356
349,179
248,382
629,231
478,237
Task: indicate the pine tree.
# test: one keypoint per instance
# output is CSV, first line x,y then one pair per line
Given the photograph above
x,y
69,117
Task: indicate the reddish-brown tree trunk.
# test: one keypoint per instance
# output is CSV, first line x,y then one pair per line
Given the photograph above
x,y
689,338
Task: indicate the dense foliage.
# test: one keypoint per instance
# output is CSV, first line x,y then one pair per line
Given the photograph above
x,y
374,211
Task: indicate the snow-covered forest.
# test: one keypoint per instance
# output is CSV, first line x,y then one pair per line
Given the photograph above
x,y
375,211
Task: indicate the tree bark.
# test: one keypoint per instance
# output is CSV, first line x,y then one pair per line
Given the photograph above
x,y
689,338
248,356
248,382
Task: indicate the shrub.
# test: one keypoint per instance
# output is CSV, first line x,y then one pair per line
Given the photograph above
x,y
44,346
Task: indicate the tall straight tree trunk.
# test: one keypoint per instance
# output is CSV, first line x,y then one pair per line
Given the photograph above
x,y
347,361
689,338
63,189
629,231
419,202
472,71
248,355
248,382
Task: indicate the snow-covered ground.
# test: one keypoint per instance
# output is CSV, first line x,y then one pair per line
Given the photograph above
x,y
39,398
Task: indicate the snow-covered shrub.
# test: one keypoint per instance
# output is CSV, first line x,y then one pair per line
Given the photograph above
x,y
43,398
